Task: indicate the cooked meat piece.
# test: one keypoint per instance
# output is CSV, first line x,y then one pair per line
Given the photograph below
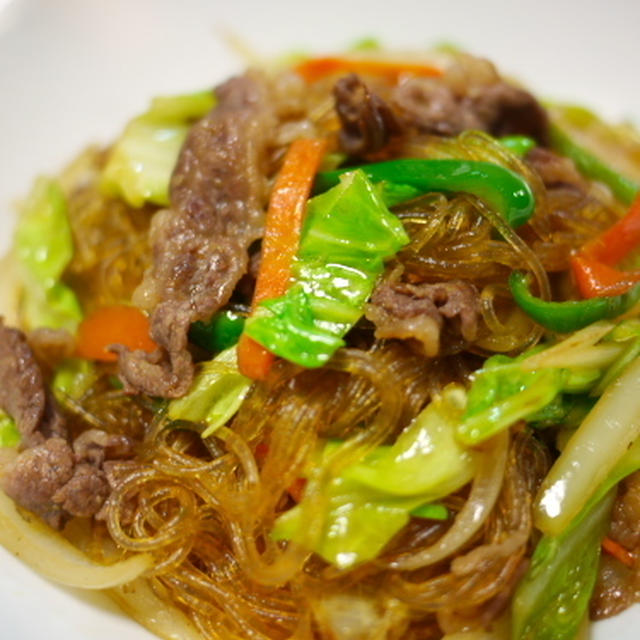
x,y
37,474
51,346
95,446
625,522
554,170
430,106
506,110
84,494
617,588
200,246
22,391
408,311
57,481
368,123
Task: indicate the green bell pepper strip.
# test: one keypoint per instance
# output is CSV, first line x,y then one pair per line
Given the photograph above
x,y
431,511
564,317
592,167
222,331
500,188
518,145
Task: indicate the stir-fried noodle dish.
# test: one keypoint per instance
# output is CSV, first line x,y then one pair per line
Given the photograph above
x,y
345,348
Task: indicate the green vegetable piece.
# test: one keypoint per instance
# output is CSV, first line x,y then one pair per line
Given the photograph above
x,y
366,44
43,237
219,333
592,167
348,233
73,378
426,459
44,247
215,395
9,434
519,145
502,394
501,188
141,162
357,527
552,598
564,317
431,511
181,108
566,410
369,502
393,193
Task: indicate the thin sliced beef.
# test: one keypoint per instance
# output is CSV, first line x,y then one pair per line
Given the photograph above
x,y
430,106
37,474
506,110
95,446
421,312
50,477
56,480
618,586
84,493
200,246
625,521
367,121
470,98
555,170
22,393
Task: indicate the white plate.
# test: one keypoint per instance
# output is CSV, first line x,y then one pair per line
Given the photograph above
x,y
73,71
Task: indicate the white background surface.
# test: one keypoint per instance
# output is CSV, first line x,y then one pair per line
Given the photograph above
x,y
73,71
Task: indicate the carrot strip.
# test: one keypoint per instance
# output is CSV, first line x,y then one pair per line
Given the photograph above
x,y
317,68
593,266
618,551
615,243
117,324
596,279
283,227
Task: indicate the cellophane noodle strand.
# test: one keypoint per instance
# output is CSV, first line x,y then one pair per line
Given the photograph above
x,y
204,509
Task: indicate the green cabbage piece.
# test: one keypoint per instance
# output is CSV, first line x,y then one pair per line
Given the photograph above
x,y
369,502
215,395
73,378
44,248
141,162
506,389
552,598
9,434
348,234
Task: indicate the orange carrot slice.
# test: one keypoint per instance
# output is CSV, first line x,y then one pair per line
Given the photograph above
x,y
618,551
283,226
317,68
117,324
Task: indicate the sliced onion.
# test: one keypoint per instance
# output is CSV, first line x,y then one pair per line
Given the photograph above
x,y
139,601
594,449
56,559
484,493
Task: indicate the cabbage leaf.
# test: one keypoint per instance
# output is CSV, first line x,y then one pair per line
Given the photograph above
x,y
141,162
348,233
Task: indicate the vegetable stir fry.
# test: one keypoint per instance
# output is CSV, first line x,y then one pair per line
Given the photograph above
x,y
346,349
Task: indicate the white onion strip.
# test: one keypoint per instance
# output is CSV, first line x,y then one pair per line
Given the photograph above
x,y
484,493
56,559
139,601
602,439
